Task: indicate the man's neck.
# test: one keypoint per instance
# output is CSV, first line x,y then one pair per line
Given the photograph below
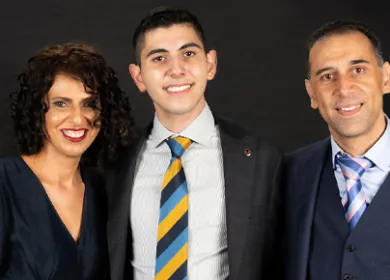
x,y
357,146
178,122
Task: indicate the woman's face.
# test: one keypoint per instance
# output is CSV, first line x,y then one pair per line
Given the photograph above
x,y
69,122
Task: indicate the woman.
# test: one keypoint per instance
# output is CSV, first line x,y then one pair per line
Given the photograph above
x,y
69,114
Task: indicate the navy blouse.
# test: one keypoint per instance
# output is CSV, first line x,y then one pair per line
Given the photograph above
x,y
34,242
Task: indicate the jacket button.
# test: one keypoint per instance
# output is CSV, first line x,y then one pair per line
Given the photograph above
x,y
347,276
248,152
350,248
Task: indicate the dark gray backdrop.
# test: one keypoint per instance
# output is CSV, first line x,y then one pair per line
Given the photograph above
x,y
260,44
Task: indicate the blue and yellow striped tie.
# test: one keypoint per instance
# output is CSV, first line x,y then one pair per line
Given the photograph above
x,y
172,239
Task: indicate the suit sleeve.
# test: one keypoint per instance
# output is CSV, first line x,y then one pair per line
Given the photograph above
x,y
275,233
3,222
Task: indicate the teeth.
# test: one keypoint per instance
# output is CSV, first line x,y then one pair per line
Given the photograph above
x,y
177,89
74,134
349,108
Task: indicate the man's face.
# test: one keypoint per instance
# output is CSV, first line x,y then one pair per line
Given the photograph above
x,y
347,84
174,70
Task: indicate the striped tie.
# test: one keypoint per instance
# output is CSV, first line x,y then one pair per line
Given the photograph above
x,y
172,239
354,199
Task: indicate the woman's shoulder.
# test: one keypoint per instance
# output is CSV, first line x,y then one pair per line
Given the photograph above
x,y
11,170
15,175
12,165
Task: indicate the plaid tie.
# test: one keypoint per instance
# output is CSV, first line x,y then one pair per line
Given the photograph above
x,y
354,199
172,240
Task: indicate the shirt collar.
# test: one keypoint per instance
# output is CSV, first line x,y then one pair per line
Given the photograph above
x,y
199,130
375,153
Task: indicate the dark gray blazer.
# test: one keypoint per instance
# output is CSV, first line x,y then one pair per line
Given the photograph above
x,y
252,170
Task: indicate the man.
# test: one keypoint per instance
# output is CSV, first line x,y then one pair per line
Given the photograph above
x,y
198,197
338,190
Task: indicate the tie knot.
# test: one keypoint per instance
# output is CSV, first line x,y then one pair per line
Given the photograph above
x,y
178,145
353,167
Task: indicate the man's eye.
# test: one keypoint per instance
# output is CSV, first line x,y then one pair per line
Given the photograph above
x,y
359,70
327,77
189,53
158,58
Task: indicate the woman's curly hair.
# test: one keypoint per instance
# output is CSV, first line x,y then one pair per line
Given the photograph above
x,y
82,62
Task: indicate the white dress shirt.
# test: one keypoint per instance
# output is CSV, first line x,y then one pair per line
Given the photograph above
x,y
203,166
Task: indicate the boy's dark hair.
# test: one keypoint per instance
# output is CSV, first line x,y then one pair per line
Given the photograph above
x,y
164,16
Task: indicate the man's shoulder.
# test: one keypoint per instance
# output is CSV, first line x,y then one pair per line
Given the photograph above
x,y
305,153
238,132
131,150
231,128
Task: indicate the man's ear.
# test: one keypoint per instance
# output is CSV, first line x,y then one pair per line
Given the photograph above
x,y
211,64
386,77
135,73
310,92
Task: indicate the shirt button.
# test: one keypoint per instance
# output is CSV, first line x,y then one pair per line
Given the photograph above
x,y
350,248
347,276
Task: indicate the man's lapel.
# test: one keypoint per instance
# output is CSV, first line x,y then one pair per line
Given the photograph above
x,y
309,178
239,154
119,185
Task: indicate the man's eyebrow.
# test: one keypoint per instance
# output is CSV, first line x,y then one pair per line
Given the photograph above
x,y
152,52
188,45
352,62
162,50
322,70
358,61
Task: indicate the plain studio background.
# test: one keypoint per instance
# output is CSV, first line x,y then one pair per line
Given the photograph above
x,y
260,45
